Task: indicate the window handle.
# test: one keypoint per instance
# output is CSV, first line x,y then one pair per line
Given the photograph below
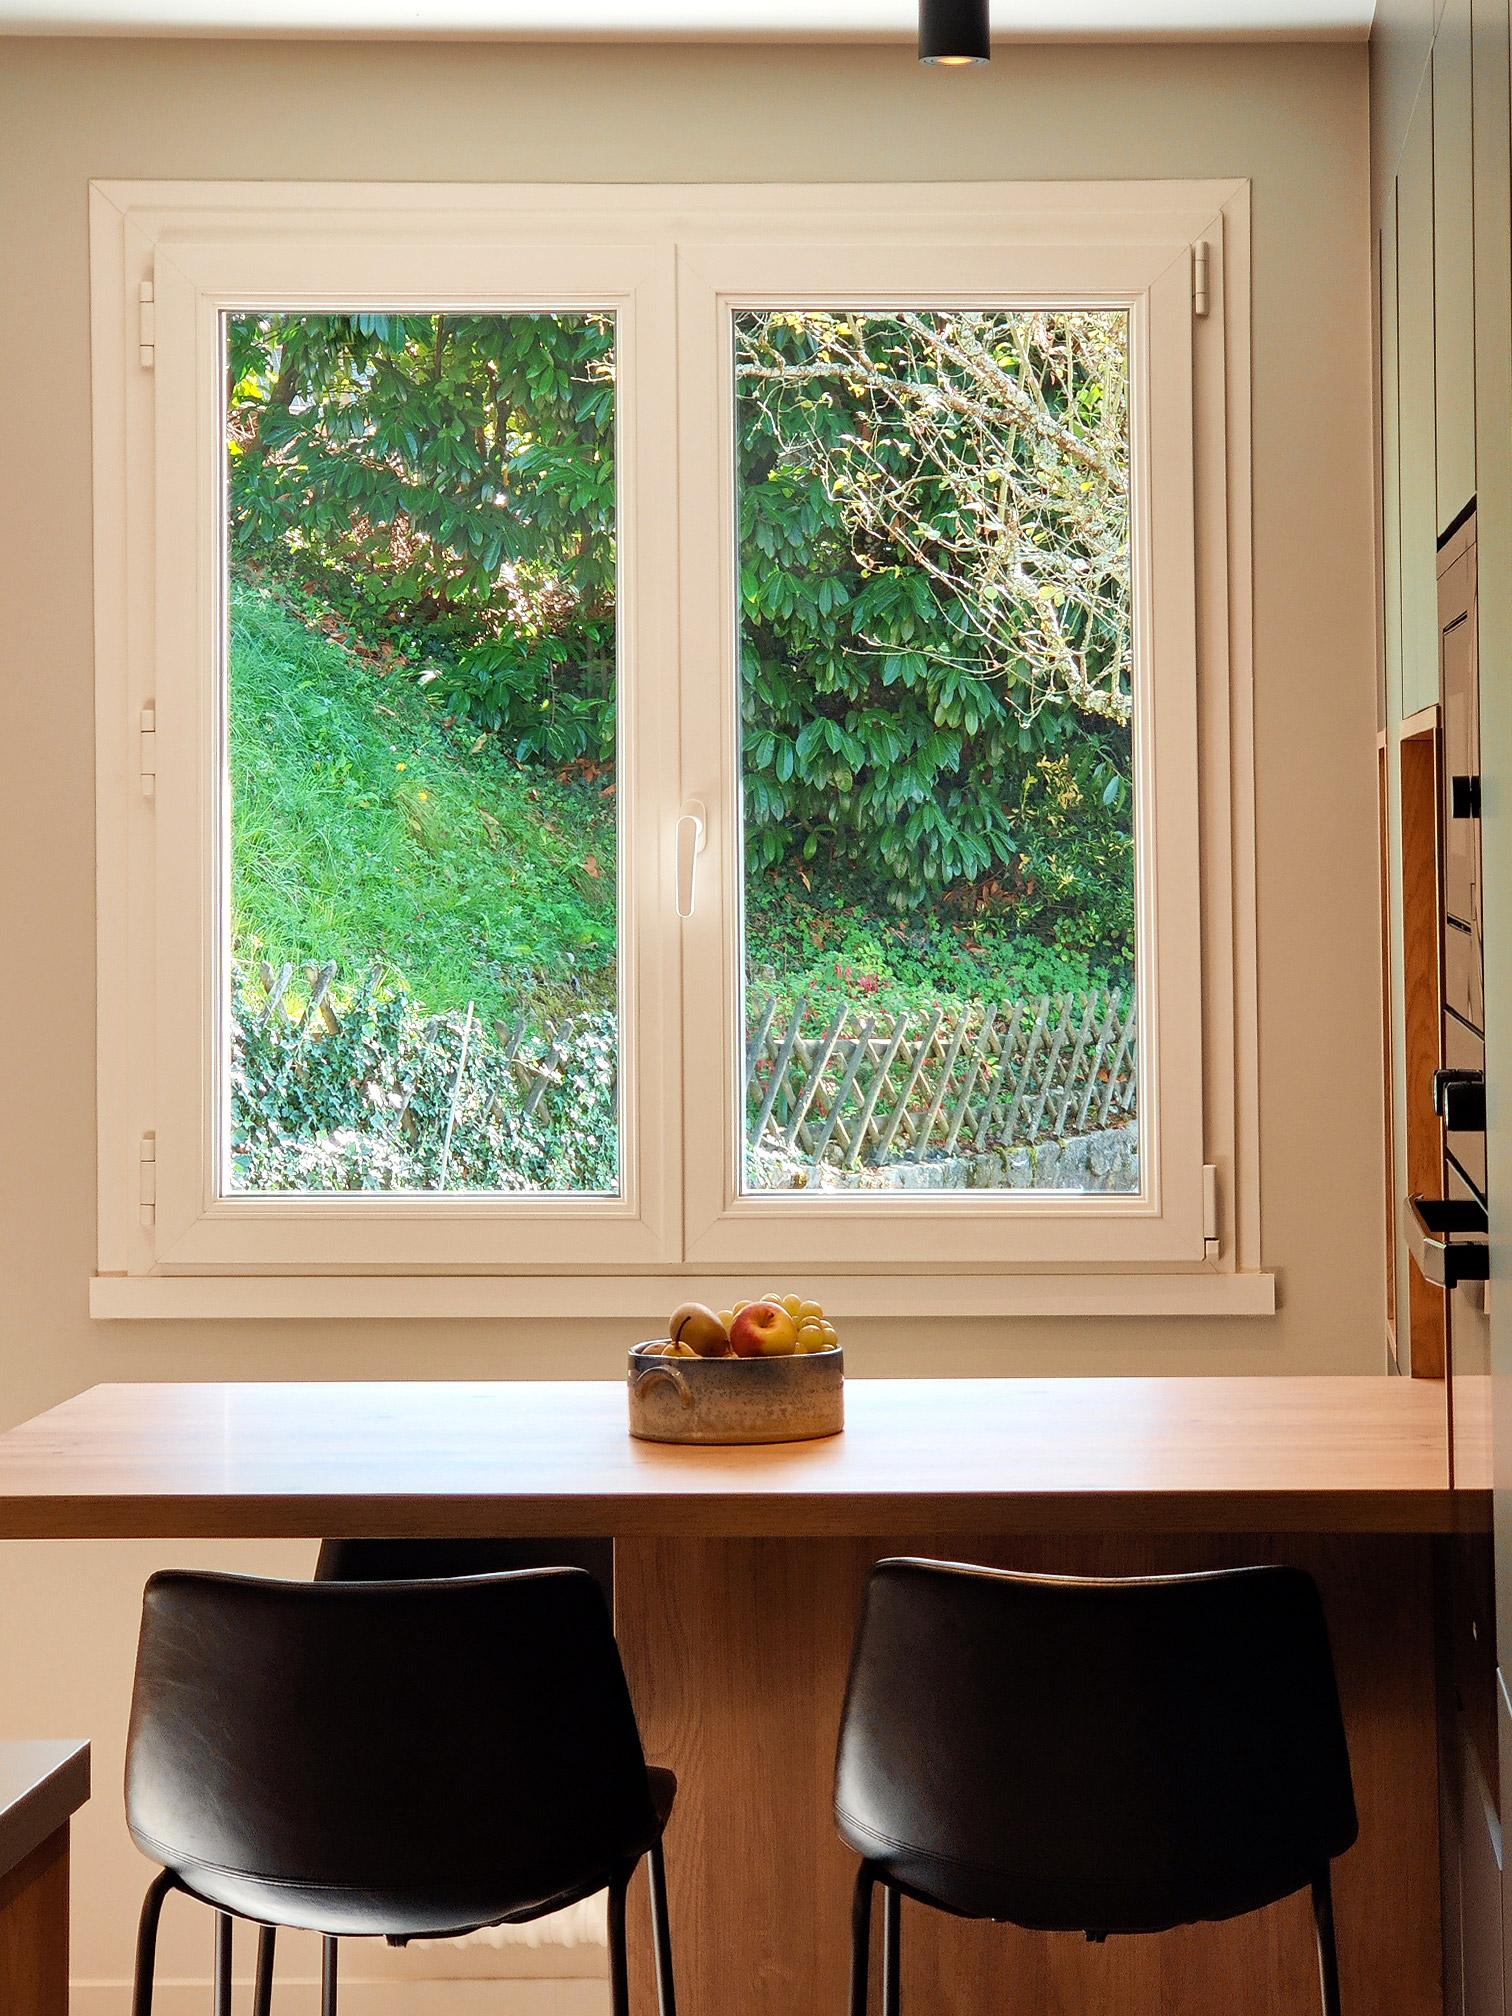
x,y
692,832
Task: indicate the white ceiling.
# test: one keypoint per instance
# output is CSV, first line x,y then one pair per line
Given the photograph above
x,y
703,20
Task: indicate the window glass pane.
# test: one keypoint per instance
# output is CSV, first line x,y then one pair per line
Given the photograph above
x,y
936,669
422,924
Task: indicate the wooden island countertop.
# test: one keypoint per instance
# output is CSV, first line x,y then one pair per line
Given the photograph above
x,y
945,1456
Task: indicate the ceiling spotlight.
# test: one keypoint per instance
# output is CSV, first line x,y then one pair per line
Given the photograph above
x,y
955,32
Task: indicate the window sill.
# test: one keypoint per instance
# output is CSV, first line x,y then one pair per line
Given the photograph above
x,y
377,1298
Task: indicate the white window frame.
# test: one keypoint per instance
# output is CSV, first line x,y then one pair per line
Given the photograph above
x,y
673,263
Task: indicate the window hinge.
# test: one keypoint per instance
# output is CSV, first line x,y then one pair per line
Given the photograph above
x,y
146,325
1212,1244
1200,277
147,1179
149,751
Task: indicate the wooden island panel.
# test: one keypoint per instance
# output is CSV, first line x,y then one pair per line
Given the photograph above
x,y
738,1652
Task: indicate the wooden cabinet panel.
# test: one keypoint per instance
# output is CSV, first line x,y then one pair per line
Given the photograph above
x,y
1470,1834
1422,1023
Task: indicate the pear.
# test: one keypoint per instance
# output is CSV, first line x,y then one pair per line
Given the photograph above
x,y
700,1329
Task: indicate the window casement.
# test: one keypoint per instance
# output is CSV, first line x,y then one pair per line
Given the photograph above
x,y
689,283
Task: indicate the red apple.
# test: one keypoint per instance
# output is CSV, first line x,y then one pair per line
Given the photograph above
x,y
763,1330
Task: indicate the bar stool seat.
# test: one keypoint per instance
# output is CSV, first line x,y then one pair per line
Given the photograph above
x,y
388,1759
1066,1754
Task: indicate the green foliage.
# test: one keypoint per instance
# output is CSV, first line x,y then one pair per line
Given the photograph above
x,y
902,687
933,590
364,828
831,953
360,1099
450,479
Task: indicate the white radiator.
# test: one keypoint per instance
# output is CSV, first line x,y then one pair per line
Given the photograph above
x,y
585,1924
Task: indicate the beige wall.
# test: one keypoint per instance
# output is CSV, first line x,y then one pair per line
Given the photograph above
x,y
1292,119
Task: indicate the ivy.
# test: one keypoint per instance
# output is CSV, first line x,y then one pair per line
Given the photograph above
x,y
357,1089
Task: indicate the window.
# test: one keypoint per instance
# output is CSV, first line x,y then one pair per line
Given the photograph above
x,y
447,481
934,547
656,734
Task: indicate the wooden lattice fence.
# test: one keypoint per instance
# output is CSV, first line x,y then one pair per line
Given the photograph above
x,y
868,1089
851,1088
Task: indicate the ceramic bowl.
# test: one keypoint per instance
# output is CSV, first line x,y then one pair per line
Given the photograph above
x,y
727,1400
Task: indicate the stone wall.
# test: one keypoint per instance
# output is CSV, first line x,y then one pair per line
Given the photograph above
x,y
1106,1161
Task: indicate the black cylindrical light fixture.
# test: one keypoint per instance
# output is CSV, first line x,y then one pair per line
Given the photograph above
x,y
954,31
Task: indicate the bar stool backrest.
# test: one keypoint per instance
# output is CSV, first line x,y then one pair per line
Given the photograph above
x,y
1095,1756
406,1755
402,1560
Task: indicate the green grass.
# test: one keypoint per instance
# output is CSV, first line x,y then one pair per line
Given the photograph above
x,y
368,831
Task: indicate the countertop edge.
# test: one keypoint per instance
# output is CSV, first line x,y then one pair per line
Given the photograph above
x,y
742,1515
42,1785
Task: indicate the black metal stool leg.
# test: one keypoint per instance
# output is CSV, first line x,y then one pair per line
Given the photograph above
x,y
146,1953
262,1993
223,1963
328,1977
619,1965
892,1950
1328,1954
661,1933
861,1914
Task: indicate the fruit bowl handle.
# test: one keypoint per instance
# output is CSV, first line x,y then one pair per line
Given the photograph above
x,y
647,1375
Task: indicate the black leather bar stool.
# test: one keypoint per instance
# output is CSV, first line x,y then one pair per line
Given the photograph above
x,y
1090,1756
421,1559
388,1759
417,1560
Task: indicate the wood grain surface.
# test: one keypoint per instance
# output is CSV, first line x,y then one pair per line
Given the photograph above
x,y
738,1651
34,1931
966,1456
1422,1028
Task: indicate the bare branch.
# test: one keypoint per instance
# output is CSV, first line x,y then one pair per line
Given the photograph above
x,y
989,451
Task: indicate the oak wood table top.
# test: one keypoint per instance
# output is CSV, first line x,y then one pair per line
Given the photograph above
x,y
942,1456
